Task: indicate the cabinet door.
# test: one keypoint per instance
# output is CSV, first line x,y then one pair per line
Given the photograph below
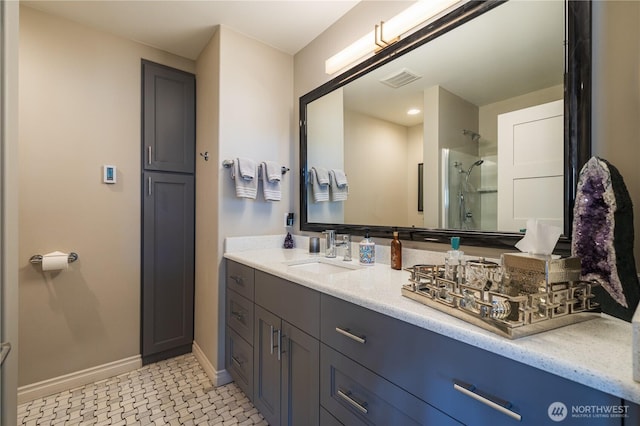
x,y
267,354
300,377
168,264
168,119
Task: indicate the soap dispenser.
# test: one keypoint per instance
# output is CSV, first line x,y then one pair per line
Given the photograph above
x,y
453,261
367,250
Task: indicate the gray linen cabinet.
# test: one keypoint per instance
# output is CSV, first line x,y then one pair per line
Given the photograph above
x,y
168,211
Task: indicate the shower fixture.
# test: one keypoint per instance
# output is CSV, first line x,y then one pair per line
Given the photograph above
x,y
465,214
475,137
477,163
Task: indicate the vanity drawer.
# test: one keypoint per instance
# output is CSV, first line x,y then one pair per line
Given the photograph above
x,y
239,315
479,387
292,302
437,369
356,396
239,362
240,278
380,343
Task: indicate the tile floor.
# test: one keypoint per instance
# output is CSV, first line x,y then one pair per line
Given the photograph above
x,y
171,392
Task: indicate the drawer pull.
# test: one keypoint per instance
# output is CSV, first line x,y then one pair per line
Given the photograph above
x,y
362,407
237,279
346,332
279,344
495,403
271,341
237,361
238,315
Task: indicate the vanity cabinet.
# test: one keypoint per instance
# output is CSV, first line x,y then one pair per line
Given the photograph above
x,y
239,315
466,383
286,351
307,358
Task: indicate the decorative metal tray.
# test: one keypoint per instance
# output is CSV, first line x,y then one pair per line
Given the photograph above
x,y
526,295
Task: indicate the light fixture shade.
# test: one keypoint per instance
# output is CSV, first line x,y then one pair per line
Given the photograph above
x,y
417,14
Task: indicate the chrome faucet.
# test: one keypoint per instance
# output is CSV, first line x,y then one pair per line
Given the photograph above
x,y
344,240
330,246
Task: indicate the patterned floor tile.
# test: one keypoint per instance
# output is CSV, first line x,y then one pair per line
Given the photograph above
x,y
174,392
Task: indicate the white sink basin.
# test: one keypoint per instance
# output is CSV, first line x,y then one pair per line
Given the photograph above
x,y
322,266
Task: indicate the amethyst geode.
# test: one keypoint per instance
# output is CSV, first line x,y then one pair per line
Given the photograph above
x,y
603,237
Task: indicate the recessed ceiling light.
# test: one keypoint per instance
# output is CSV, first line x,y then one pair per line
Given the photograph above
x,y
414,111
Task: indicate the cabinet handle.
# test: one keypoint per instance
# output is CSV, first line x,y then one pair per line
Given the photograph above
x,y
239,316
279,344
495,403
347,332
149,154
362,407
271,344
149,190
237,361
237,279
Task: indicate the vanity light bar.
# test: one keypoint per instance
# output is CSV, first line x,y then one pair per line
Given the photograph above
x,y
419,13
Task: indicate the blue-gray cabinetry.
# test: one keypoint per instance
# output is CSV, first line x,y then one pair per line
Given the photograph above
x,y
168,114
281,343
286,352
239,325
468,384
168,211
318,359
168,272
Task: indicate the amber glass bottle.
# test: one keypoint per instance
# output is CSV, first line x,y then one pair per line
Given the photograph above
x,y
396,252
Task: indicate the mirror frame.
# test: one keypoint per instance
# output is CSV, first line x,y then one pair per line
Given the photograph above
x,y
577,123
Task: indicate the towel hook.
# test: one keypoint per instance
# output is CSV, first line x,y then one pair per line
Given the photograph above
x,y
205,155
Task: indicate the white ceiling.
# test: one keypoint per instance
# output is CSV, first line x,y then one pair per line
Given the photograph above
x,y
183,27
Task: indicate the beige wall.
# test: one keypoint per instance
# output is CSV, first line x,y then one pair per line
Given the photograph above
x,y
255,112
79,109
616,94
325,148
206,316
9,32
376,160
414,157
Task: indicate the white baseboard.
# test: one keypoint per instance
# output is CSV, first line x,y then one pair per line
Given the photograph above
x,y
218,378
79,378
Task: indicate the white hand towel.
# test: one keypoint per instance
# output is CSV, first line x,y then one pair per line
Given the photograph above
x,y
340,177
274,171
322,175
244,188
270,188
338,193
320,192
247,168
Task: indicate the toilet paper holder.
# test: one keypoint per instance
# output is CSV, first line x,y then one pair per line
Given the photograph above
x,y
37,258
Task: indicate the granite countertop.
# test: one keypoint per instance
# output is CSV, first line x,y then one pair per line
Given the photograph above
x,y
596,353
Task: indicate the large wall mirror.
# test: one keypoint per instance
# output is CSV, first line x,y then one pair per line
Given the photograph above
x,y
481,118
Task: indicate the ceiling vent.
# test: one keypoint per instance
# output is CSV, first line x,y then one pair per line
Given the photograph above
x,y
401,78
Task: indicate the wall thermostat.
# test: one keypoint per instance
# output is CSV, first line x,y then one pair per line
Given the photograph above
x,y
109,174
